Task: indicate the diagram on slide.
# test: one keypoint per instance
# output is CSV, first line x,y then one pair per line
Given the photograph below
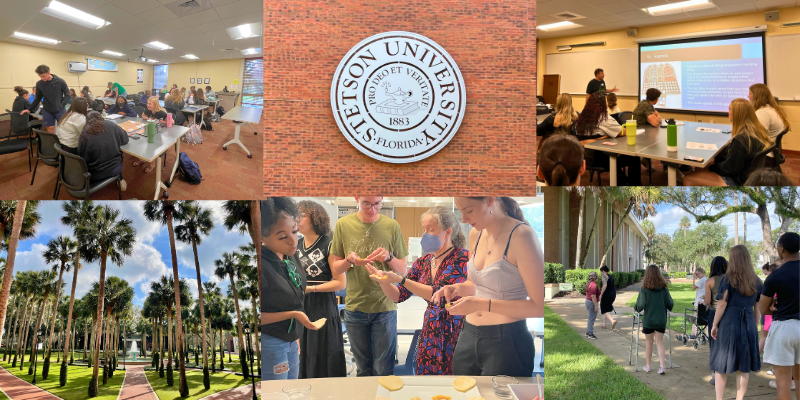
x,y
664,77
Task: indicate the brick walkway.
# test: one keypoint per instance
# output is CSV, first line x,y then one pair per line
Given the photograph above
x,y
238,393
17,389
136,386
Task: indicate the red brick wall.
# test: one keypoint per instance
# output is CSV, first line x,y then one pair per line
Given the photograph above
x,y
493,43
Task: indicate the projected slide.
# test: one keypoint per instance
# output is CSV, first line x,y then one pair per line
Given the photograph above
x,y
703,75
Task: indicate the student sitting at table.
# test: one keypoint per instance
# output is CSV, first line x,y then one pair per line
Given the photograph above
x,y
32,95
21,102
147,94
769,113
190,96
87,93
644,113
110,94
164,90
121,107
71,125
611,99
174,100
154,111
562,120
749,138
183,94
594,123
71,97
209,93
560,162
99,145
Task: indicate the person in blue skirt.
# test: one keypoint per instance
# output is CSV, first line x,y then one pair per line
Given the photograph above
x,y
735,324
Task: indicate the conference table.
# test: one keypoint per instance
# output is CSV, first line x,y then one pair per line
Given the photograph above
x,y
194,109
242,116
652,144
165,138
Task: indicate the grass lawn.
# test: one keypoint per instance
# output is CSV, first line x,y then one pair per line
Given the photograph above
x,y
219,381
4,397
576,370
77,381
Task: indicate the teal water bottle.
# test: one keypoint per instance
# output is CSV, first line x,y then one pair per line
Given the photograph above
x,y
672,137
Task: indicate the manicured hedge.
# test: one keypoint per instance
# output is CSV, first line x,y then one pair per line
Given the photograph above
x,y
553,273
578,278
621,279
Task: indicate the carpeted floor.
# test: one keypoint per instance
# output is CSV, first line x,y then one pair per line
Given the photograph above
x,y
227,174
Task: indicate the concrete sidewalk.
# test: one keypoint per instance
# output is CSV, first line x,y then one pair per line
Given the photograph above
x,y
689,377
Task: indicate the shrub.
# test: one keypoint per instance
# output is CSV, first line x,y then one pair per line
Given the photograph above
x,y
578,278
620,279
553,273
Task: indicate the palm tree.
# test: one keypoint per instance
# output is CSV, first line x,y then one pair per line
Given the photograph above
x,y
163,211
162,291
117,292
685,224
102,237
18,220
61,250
25,286
245,216
41,280
76,215
248,289
196,222
231,266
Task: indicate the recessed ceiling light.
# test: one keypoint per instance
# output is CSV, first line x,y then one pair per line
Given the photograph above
x,y
245,31
558,25
158,46
674,8
190,56
71,14
112,53
151,60
251,51
25,36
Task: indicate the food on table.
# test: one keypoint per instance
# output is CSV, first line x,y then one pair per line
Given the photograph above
x,y
320,322
464,383
391,382
476,398
441,397
415,398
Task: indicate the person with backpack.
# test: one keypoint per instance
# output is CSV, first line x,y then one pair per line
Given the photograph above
x,y
654,300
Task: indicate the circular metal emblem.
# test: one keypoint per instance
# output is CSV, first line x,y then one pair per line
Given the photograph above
x,y
398,97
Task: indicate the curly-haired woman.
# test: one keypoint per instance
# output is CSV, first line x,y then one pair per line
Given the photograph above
x,y
322,351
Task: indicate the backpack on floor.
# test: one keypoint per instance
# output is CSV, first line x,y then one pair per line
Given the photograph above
x,y
206,124
220,111
193,136
190,171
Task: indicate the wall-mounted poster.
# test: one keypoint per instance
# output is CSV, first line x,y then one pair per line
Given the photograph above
x,y
207,81
191,80
93,64
139,76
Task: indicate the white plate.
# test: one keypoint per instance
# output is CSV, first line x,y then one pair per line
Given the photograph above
x,y
426,387
525,391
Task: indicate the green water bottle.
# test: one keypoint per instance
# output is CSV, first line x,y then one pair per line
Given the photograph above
x,y
151,131
672,137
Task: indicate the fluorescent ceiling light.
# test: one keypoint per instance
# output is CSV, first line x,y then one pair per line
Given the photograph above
x,y
25,36
673,8
158,46
190,56
112,53
251,51
71,14
151,60
245,31
558,25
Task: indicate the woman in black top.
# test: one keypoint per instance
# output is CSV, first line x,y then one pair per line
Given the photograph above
x,y
21,102
121,107
154,111
99,145
607,296
283,283
322,351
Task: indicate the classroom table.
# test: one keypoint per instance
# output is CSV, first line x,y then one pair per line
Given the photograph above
x,y
541,117
214,103
652,144
109,101
147,152
242,116
194,109
365,388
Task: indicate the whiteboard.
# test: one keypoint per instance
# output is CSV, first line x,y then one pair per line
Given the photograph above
x,y
577,69
783,59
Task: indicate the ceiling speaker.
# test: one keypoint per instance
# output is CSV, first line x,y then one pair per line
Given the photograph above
x,y
631,32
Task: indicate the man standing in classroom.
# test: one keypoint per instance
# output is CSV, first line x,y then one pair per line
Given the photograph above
x,y
116,87
598,84
367,237
55,93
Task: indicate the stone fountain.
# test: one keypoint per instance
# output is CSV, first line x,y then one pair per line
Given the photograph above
x,y
134,349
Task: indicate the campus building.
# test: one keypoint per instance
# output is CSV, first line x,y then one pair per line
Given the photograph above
x,y
561,213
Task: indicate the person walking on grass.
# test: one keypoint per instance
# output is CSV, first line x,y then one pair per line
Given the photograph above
x,y
719,266
592,298
655,301
735,322
608,293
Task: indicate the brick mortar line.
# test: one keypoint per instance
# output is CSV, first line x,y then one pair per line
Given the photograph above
x,y
37,387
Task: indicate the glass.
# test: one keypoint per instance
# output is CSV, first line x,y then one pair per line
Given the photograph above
x,y
367,205
500,384
160,74
253,83
297,391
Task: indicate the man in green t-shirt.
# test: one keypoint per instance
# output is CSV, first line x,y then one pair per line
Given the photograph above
x,y
645,113
370,317
116,87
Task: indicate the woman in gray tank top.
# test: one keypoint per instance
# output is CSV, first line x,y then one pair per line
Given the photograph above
x,y
504,287
719,266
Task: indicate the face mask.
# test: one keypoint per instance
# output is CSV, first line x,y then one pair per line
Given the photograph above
x,y
430,243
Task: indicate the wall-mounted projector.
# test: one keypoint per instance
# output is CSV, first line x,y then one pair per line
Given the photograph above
x,y
76,66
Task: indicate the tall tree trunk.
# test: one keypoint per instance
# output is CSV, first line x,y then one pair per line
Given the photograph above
x,y
11,255
200,295
238,314
12,336
766,230
257,342
55,308
20,327
579,241
26,333
255,235
75,267
34,353
97,330
735,220
591,236
183,387
616,232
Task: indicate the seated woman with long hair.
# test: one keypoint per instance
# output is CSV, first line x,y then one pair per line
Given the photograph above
x,y
99,145
595,123
562,120
70,126
561,162
749,138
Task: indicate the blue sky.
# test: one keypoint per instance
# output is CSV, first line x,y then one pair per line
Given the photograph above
x,y
669,216
151,255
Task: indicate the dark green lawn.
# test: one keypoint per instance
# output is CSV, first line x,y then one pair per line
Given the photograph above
x,y
77,381
219,381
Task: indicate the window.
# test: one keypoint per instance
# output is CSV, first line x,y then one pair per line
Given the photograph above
x,y
253,85
160,73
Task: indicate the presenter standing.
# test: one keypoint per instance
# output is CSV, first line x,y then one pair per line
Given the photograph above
x,y
598,84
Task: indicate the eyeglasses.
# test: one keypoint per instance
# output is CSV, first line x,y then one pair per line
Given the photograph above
x,y
368,205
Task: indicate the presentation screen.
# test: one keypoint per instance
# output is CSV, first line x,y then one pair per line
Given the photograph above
x,y
702,75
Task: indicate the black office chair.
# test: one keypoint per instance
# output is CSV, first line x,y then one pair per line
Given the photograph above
x,y
161,96
760,159
542,110
73,174
625,116
132,97
778,154
177,116
19,137
139,110
45,150
616,117
140,94
99,106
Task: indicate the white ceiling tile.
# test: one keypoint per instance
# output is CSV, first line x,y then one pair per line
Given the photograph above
x,y
635,14
211,26
726,2
738,8
218,3
593,12
157,15
703,13
589,22
618,7
546,19
136,7
171,25
241,7
242,19
202,17
87,6
112,13
645,3
772,4
183,32
132,23
610,18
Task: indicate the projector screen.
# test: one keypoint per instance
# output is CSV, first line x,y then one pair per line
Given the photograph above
x,y
702,75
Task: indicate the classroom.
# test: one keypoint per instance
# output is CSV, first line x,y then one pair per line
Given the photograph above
x,y
669,75
123,60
